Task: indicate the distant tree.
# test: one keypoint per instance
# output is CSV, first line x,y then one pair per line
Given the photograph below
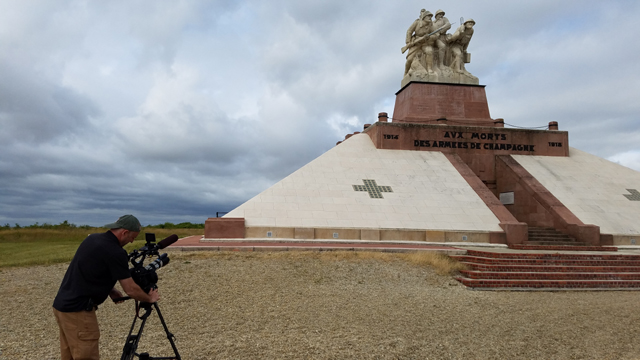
x,y
183,225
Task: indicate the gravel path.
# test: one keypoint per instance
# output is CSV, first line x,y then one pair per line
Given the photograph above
x,y
329,305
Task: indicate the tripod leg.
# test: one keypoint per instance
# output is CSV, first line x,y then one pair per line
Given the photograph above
x,y
131,344
166,330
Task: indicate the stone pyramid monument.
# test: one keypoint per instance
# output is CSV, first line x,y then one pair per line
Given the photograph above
x,y
445,171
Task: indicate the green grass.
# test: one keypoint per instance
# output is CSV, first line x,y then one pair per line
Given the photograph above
x,y
37,246
34,253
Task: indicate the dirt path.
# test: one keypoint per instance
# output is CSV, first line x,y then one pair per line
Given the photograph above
x,y
329,306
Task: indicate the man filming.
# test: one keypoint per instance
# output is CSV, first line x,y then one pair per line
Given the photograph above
x,y
99,262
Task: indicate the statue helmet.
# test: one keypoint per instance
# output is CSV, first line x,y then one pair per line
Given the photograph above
x,y
470,21
428,13
440,12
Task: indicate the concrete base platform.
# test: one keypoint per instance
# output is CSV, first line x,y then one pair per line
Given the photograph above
x,y
197,243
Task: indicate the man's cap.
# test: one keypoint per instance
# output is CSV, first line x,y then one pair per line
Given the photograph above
x,y
440,12
470,21
127,222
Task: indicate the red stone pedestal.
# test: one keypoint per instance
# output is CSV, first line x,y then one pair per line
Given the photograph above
x,y
224,228
426,103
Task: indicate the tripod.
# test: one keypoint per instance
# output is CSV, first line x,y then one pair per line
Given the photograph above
x,y
131,345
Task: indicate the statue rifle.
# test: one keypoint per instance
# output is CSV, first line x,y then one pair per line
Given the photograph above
x,y
404,48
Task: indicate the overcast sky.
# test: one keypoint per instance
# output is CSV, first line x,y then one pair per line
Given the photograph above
x,y
174,110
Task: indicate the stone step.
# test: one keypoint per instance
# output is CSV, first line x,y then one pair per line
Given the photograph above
x,y
473,274
554,243
563,247
546,232
549,284
551,235
549,238
551,256
537,270
538,228
550,268
547,262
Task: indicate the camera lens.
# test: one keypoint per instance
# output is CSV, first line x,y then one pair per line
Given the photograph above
x,y
161,261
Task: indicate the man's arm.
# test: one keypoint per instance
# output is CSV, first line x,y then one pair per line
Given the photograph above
x,y
410,31
447,25
456,35
466,45
115,294
132,289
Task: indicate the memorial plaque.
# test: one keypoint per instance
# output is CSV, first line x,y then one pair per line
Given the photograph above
x,y
507,198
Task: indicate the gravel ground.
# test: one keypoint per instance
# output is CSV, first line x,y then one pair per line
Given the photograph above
x,y
328,306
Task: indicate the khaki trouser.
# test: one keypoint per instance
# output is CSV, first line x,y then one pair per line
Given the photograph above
x,y
79,335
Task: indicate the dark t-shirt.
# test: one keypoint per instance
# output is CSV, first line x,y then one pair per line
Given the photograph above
x,y
99,262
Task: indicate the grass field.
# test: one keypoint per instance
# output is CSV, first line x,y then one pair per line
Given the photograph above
x,y
37,246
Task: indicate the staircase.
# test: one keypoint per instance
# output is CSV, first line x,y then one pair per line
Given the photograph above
x,y
531,271
542,238
550,236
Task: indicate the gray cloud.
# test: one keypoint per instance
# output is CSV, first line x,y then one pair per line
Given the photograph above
x,y
35,109
175,110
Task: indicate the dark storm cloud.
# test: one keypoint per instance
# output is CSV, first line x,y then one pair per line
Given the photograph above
x,y
35,110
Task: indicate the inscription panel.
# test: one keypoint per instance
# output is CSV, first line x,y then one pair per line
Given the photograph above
x,y
471,140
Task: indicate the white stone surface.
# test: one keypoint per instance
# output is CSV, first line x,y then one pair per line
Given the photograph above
x,y
428,193
591,187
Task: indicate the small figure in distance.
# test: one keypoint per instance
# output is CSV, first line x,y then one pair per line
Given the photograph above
x,y
98,264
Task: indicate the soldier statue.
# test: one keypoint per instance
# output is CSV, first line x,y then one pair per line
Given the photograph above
x,y
444,25
435,56
458,43
416,37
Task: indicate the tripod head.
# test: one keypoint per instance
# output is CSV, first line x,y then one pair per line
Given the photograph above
x,y
145,276
150,248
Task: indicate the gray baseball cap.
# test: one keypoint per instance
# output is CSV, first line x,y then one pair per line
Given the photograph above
x,y
127,222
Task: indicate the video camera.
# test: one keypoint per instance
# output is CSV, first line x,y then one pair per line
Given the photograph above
x,y
145,276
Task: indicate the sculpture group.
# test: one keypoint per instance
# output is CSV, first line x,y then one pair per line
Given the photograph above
x,y
435,56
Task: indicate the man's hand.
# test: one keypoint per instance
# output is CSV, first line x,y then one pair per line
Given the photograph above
x,y
155,296
132,289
